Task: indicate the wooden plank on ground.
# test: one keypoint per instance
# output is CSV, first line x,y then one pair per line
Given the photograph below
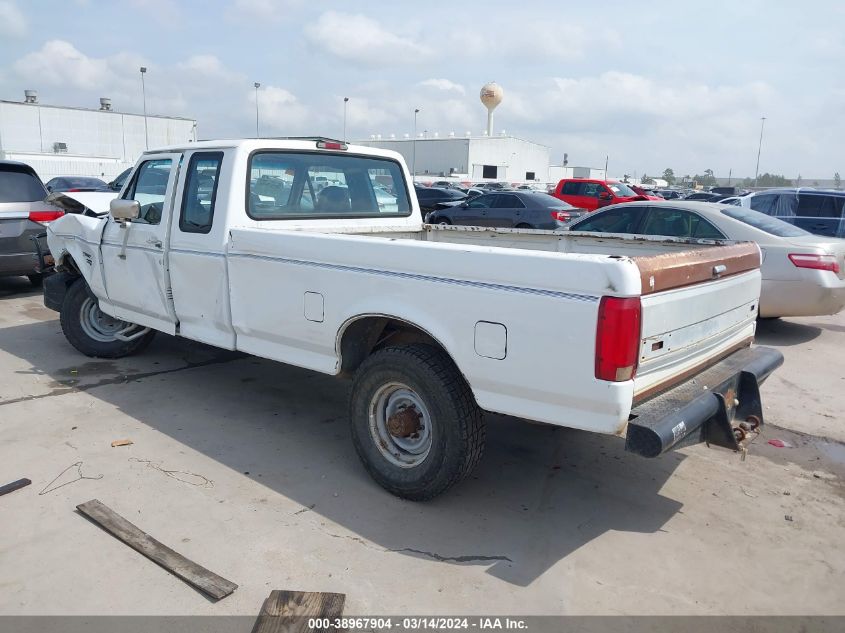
x,y
206,581
15,485
290,611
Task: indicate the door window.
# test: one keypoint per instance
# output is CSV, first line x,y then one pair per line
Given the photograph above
x,y
149,187
200,192
677,223
508,201
591,189
572,188
481,202
623,219
763,203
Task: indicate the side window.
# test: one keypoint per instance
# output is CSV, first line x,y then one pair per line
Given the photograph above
x,y
591,189
481,202
623,219
669,222
508,201
200,192
572,188
702,229
149,187
763,204
819,206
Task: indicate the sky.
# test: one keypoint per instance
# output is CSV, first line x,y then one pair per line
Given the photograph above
x,y
650,84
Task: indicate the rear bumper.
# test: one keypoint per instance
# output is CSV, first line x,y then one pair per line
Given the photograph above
x,y
718,406
18,263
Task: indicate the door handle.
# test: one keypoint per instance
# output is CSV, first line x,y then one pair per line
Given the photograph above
x,y
154,242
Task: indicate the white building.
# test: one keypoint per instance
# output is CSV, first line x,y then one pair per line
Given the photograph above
x,y
559,172
62,141
476,158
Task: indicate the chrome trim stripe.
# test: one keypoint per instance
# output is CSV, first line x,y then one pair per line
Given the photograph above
x,y
417,277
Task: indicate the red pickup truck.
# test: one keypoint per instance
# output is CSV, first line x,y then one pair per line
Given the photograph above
x,y
594,194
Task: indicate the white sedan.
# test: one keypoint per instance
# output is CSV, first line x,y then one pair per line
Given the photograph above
x,y
803,274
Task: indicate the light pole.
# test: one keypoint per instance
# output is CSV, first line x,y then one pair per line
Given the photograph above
x,y
257,131
414,157
345,101
144,97
759,147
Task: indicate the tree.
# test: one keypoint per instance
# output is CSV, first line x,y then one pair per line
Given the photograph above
x,y
669,175
708,179
647,180
837,181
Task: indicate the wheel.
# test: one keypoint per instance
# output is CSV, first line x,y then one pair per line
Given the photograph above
x,y
523,226
36,279
91,331
415,423
443,222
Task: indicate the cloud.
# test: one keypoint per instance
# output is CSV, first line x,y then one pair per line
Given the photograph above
x,y
279,110
443,84
210,67
13,23
264,10
59,63
358,38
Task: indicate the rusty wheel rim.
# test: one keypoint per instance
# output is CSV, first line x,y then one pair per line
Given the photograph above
x,y
405,447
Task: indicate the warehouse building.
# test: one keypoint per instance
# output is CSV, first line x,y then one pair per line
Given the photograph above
x,y
476,158
63,141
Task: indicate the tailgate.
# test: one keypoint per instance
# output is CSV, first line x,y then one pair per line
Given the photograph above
x,y
710,313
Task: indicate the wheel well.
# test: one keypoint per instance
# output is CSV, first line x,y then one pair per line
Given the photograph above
x,y
67,264
369,334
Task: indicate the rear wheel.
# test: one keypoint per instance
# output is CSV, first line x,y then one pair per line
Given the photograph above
x,y
443,222
415,423
93,332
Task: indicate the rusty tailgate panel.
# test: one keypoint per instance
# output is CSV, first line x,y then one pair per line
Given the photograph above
x,y
685,268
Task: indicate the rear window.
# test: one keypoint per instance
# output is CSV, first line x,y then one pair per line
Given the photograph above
x,y
764,222
285,185
20,185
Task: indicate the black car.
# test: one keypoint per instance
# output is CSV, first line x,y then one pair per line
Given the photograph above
x,y
511,209
819,211
76,183
670,194
705,196
120,179
430,198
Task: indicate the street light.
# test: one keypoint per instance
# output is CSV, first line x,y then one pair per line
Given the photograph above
x,y
345,101
144,96
759,147
414,157
257,132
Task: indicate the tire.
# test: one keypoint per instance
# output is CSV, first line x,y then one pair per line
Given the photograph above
x,y
523,226
88,329
36,279
443,222
435,461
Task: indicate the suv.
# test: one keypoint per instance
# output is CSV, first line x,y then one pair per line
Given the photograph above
x,y
594,194
23,214
819,211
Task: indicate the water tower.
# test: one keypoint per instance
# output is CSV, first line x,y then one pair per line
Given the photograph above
x,y
491,96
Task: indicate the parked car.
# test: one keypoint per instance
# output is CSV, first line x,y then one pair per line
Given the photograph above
x,y
76,183
645,193
23,216
435,324
120,179
669,194
803,274
430,198
512,209
704,196
590,195
819,211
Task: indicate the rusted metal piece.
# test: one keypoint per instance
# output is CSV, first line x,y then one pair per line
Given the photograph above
x,y
685,268
405,422
739,433
754,422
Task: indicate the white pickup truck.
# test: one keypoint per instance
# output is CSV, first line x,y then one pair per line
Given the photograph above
x,y
313,253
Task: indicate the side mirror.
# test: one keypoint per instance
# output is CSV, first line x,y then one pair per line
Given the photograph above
x,y
604,196
124,211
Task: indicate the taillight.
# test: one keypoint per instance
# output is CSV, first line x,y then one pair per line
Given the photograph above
x,y
816,262
618,338
560,216
43,217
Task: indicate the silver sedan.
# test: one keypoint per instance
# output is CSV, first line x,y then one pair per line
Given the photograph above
x,y
803,274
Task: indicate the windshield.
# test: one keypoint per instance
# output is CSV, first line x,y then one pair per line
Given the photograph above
x,y
621,190
763,222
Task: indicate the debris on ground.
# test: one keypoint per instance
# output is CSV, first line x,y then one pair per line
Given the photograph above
x,y
117,443
195,575
79,476
787,517
780,443
291,610
186,477
15,485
